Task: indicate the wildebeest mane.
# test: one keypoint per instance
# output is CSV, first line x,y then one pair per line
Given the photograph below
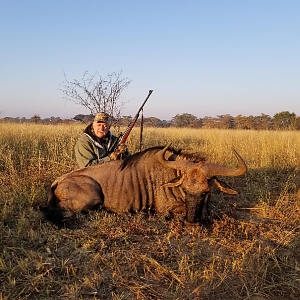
x,y
133,159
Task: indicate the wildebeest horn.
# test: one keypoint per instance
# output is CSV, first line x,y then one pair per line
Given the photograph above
x,y
178,164
210,170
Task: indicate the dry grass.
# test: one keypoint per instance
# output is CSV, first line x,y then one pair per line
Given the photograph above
x,y
251,250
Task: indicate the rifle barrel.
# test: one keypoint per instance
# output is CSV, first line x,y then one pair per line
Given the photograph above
x,y
124,136
138,113
150,92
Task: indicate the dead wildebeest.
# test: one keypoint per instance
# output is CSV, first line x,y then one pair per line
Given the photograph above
x,y
161,180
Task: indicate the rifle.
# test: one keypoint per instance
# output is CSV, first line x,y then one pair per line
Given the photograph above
x,y
123,137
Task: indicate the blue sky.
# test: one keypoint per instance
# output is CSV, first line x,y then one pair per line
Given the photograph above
x,y
207,58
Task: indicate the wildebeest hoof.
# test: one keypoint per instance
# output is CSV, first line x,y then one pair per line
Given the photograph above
x,y
190,225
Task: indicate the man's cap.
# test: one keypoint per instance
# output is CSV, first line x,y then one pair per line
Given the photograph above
x,y
103,117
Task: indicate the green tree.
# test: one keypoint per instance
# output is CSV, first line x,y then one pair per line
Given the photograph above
x,y
240,122
125,120
296,123
262,122
153,122
284,120
209,122
186,120
266,122
35,119
225,121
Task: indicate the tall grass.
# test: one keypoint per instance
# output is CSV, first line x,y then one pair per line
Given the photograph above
x,y
261,149
249,251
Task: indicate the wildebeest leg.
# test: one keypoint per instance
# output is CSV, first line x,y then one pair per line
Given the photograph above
x,y
204,212
79,193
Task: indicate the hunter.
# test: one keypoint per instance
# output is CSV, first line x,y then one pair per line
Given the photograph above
x,y
93,145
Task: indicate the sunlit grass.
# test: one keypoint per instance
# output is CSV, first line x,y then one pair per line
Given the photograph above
x,y
250,250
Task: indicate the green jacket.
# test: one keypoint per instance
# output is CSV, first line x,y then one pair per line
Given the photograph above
x,y
90,150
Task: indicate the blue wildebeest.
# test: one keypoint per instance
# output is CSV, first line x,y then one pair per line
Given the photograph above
x,y
157,179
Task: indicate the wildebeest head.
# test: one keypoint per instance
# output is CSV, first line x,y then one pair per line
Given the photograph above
x,y
196,180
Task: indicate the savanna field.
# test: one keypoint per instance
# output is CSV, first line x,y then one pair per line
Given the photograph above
x,y
249,250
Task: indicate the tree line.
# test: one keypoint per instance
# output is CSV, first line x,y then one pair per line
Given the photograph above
x,y
97,93
280,121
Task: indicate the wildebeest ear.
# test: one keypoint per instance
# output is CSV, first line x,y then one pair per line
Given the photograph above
x,y
174,182
224,187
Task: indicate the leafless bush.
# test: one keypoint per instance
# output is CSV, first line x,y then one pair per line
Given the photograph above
x,y
97,93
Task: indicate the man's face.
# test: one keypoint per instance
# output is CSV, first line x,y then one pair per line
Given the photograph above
x,y
101,129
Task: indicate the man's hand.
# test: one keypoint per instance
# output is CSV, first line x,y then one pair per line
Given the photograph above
x,y
122,149
120,153
114,156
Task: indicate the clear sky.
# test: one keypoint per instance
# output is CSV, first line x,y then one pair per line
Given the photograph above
x,y
203,57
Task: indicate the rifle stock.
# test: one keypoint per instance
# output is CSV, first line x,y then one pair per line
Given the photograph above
x,y
122,139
